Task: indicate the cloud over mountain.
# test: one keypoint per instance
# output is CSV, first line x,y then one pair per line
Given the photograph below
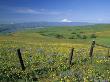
x,y
66,20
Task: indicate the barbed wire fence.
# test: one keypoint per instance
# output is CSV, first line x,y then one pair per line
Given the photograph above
x,y
70,57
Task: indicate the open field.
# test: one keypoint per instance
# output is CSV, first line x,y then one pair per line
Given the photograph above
x,y
45,52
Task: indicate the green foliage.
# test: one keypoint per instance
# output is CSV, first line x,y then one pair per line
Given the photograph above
x,y
73,33
84,37
72,37
81,36
59,36
93,36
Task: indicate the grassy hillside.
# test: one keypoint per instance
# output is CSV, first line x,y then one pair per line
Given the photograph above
x,y
46,51
76,33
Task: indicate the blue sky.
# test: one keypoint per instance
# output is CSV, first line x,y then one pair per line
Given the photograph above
x,y
97,11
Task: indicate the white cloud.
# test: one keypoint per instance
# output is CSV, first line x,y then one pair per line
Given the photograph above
x,y
27,11
100,19
66,20
38,11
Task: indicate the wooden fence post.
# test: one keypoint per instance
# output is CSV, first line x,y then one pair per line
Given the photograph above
x,y
71,56
92,48
20,59
108,52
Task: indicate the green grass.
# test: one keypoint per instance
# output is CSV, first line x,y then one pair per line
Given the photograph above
x,y
75,33
46,56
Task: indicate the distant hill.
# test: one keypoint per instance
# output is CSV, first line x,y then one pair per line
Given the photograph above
x,y
6,28
45,24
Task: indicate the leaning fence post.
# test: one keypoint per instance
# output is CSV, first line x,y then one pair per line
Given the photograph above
x,y
20,59
71,56
91,49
